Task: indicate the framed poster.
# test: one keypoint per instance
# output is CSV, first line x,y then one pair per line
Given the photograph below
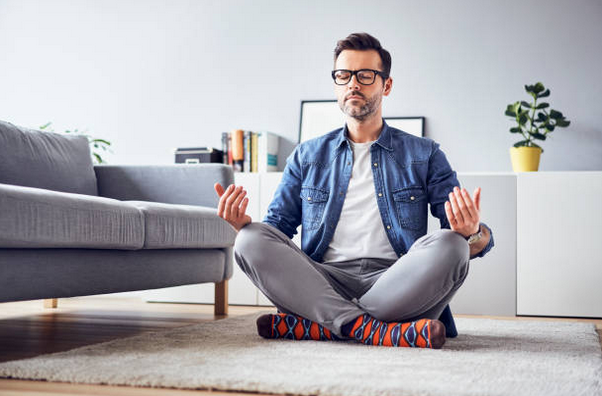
x,y
411,125
319,117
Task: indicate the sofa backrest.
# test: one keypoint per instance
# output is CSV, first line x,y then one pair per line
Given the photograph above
x,y
47,160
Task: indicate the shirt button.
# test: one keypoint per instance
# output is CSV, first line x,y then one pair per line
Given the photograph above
x,y
388,227
309,198
412,198
348,163
380,194
375,164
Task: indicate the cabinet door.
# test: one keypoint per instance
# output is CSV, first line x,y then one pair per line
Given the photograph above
x,y
490,287
559,253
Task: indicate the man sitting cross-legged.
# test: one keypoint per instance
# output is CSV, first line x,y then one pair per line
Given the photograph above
x,y
367,269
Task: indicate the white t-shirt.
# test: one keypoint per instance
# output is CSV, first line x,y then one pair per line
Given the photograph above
x,y
360,232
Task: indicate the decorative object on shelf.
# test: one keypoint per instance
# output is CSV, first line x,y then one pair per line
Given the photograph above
x,y
198,155
411,125
97,146
525,154
319,117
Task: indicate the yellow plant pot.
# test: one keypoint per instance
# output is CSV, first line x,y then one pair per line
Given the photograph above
x,y
525,159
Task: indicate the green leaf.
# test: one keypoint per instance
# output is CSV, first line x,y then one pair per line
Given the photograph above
x,y
522,119
544,94
555,114
549,127
535,145
541,117
562,123
538,88
98,158
102,141
530,88
526,104
522,143
516,130
538,135
542,106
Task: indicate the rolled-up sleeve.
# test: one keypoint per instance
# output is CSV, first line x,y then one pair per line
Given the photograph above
x,y
441,180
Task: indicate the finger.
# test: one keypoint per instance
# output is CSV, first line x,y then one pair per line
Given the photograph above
x,y
230,201
243,207
470,205
455,208
477,198
218,189
236,204
222,201
462,205
450,215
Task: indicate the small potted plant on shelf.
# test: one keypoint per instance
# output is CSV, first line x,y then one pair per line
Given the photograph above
x,y
533,122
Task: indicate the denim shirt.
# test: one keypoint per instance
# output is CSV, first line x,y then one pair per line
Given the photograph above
x,y
409,173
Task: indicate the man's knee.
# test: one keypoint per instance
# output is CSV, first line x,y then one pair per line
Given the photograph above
x,y
250,238
452,246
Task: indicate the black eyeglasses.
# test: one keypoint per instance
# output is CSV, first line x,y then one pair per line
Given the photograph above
x,y
363,76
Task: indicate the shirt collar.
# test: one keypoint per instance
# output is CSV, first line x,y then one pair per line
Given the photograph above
x,y
384,140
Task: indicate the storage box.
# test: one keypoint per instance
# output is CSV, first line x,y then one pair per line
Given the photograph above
x,y
198,155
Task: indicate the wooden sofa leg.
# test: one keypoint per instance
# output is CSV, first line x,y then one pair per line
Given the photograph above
x,y
51,303
221,298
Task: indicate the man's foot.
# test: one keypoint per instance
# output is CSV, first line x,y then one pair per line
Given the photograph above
x,y
423,333
292,327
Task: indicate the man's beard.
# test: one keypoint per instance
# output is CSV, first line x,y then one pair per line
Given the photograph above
x,y
363,112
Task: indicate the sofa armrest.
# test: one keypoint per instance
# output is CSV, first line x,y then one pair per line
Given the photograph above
x,y
185,184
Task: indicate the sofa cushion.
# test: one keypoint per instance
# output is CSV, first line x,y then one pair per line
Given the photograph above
x,y
38,218
183,226
45,160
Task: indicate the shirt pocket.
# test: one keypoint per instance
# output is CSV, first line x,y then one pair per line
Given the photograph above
x,y
410,203
314,202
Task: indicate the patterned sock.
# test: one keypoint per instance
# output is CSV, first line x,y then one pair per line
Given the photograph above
x,y
292,327
371,331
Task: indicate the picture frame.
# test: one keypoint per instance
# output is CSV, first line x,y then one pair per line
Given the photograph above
x,y
411,125
319,117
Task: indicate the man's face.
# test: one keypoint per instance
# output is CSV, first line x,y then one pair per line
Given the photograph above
x,y
357,100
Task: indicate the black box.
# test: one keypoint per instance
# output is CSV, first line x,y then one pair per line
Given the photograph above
x,y
198,155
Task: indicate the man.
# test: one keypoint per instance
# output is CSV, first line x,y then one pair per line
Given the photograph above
x,y
366,270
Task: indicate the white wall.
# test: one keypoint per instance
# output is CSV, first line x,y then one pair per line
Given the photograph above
x,y
158,74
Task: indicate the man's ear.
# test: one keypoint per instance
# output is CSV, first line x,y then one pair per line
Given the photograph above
x,y
388,86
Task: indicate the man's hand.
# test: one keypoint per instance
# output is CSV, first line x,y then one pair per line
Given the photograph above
x,y
464,214
232,205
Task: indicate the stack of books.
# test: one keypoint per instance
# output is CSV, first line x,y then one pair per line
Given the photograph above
x,y
249,151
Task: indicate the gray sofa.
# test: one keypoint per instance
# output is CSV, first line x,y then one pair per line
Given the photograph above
x,y
69,228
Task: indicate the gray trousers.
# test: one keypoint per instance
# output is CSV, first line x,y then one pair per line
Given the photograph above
x,y
417,285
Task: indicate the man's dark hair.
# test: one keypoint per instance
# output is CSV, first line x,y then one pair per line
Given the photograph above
x,y
364,42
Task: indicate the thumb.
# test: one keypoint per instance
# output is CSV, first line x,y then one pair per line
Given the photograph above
x,y
218,189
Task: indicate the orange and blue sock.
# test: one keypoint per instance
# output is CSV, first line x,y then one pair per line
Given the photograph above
x,y
292,327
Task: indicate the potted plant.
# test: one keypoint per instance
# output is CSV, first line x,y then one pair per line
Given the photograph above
x,y
533,122
97,146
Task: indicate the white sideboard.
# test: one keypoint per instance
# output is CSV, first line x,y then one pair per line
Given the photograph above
x,y
545,262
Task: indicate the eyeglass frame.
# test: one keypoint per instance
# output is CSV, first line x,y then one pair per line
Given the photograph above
x,y
354,73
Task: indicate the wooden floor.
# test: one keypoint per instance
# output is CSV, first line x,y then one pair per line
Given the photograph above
x,y
27,330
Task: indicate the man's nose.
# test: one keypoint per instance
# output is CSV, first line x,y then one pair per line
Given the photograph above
x,y
353,84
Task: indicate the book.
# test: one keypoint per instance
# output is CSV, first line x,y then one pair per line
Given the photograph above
x,y
247,151
254,152
238,150
225,136
267,152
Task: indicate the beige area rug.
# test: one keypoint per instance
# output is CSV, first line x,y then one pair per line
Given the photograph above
x,y
489,357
